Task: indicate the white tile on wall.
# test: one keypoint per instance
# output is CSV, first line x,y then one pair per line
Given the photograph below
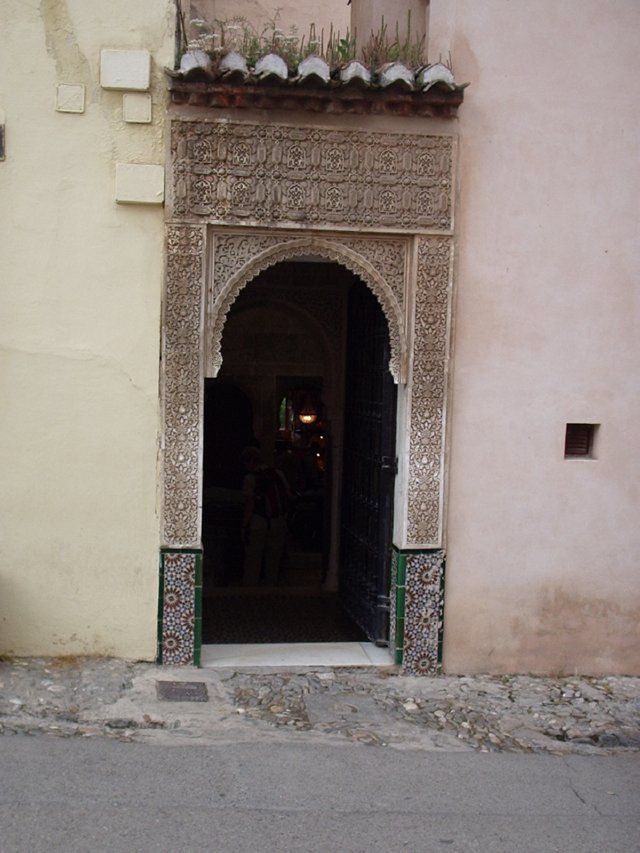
x,y
139,183
136,107
125,69
70,98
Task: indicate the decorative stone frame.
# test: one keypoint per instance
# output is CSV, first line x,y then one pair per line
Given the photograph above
x,y
408,268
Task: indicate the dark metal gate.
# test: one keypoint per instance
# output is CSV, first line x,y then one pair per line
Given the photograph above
x,y
369,467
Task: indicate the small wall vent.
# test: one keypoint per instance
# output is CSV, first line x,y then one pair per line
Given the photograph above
x,y
579,441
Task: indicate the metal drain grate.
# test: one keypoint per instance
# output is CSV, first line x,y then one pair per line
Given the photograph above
x,y
182,691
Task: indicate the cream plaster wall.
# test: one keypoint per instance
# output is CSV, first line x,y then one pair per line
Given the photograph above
x,y
543,553
80,303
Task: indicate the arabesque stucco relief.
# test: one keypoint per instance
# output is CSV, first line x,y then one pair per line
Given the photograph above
x,y
231,172
183,369
182,385
428,391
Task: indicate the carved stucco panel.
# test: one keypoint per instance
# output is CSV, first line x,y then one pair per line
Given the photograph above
x,y
238,258
428,392
389,257
232,252
246,173
183,362
182,385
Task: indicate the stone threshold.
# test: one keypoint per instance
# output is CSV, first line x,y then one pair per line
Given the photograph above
x,y
294,654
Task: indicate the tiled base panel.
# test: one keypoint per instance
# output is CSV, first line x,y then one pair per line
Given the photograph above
x,y
180,607
417,607
417,603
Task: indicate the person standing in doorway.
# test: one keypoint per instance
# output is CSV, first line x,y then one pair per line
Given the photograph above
x,y
264,519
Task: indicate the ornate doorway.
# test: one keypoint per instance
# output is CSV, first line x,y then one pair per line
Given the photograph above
x,y
393,229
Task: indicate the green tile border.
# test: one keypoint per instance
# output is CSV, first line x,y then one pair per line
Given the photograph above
x,y
398,597
160,608
397,642
197,641
441,620
197,611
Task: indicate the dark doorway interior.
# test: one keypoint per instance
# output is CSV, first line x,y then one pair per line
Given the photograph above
x,y
279,390
228,428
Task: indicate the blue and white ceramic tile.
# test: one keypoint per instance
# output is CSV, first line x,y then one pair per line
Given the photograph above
x,y
178,608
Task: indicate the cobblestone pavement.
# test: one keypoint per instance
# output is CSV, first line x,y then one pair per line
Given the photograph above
x,y
375,707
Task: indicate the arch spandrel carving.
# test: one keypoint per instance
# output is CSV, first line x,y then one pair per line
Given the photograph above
x,y
239,258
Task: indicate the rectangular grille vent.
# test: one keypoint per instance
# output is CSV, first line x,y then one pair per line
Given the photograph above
x,y
579,440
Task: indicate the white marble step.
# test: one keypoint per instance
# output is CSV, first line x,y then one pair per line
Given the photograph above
x,y
295,654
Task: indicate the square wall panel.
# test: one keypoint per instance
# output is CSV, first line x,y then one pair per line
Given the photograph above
x,y
136,107
139,183
69,98
125,69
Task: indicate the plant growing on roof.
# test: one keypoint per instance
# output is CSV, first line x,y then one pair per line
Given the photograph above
x,y
237,34
340,50
379,49
220,37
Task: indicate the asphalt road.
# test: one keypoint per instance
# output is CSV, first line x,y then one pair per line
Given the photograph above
x,y
99,794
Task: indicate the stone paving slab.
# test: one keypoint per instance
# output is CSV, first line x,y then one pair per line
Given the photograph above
x,y
375,707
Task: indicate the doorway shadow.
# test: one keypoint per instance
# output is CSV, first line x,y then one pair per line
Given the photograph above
x,y
287,347
273,616
296,610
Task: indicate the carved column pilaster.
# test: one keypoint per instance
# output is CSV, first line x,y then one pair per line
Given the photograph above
x,y
182,386
428,387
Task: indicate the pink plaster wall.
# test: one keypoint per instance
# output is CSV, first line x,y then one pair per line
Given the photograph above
x,y
543,552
